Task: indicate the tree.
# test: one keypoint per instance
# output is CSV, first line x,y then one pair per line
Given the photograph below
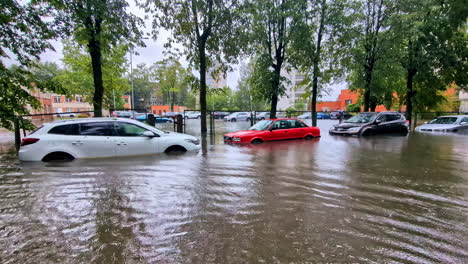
x,y
208,30
271,27
432,48
244,97
144,85
25,35
78,73
172,79
371,46
320,42
97,25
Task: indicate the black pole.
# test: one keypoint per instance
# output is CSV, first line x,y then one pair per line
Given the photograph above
x,y
17,134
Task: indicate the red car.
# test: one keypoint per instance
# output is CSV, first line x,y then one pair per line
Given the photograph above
x,y
273,129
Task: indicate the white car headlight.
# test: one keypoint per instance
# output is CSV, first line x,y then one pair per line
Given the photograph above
x,y
236,139
193,141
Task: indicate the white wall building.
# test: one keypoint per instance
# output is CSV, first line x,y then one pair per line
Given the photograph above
x,y
463,96
293,89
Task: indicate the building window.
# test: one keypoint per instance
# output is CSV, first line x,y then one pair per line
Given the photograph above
x,y
68,100
79,99
126,100
78,110
69,110
57,99
349,101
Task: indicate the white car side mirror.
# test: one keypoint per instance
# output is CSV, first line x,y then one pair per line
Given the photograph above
x,y
149,134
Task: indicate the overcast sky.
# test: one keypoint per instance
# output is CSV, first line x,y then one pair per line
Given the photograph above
x,y
154,51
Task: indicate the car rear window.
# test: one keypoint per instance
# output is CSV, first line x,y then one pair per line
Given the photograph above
x,y
69,130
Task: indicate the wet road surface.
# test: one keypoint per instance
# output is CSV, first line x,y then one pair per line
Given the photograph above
x,y
334,199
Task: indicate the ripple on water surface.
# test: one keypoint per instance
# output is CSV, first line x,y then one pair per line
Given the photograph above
x,y
383,199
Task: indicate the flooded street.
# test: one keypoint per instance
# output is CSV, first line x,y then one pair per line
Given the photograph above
x,y
333,199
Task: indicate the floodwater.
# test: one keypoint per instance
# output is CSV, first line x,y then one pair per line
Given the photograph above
x,y
334,199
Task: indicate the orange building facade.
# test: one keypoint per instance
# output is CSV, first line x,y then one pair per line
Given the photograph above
x,y
345,98
161,109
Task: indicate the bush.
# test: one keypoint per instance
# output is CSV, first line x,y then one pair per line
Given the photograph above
x,y
353,108
83,115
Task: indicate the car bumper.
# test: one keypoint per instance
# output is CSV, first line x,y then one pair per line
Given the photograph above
x,y
343,132
26,154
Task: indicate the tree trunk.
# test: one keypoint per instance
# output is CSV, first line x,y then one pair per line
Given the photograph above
x,y
409,94
172,101
367,87
96,62
372,106
316,69
275,87
202,57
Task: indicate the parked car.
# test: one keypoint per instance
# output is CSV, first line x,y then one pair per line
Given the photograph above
x,y
67,115
320,115
263,115
237,116
273,129
171,114
158,119
451,123
192,115
371,123
220,115
338,114
100,137
124,114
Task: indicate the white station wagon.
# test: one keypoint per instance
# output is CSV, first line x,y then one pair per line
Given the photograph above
x,y
101,137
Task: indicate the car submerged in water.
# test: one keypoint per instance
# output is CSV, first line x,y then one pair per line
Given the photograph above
x,y
446,124
273,129
372,123
101,137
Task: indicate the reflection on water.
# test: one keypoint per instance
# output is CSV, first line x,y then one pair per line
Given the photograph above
x,y
333,199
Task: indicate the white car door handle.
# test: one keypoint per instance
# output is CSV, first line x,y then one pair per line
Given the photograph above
x,y
121,144
77,143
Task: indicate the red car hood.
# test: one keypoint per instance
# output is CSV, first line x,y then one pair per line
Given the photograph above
x,y
243,133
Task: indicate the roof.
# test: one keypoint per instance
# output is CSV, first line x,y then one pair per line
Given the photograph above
x,y
91,119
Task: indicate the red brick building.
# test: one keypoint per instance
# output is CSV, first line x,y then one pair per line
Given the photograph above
x,y
161,109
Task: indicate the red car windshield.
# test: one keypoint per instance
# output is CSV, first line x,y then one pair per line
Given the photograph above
x,y
262,125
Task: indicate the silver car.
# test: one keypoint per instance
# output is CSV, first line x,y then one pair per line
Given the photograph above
x,y
451,123
238,116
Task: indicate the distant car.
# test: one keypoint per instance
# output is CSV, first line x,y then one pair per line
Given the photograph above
x,y
446,124
263,115
372,123
273,129
192,115
320,115
144,117
237,116
157,118
171,114
338,114
220,115
124,114
66,115
100,137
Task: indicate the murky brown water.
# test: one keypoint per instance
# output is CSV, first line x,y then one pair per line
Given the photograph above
x,y
333,199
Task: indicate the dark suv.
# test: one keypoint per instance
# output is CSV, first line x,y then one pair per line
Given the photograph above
x,y
371,123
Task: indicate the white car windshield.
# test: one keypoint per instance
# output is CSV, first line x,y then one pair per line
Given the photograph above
x,y
262,125
444,120
362,118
